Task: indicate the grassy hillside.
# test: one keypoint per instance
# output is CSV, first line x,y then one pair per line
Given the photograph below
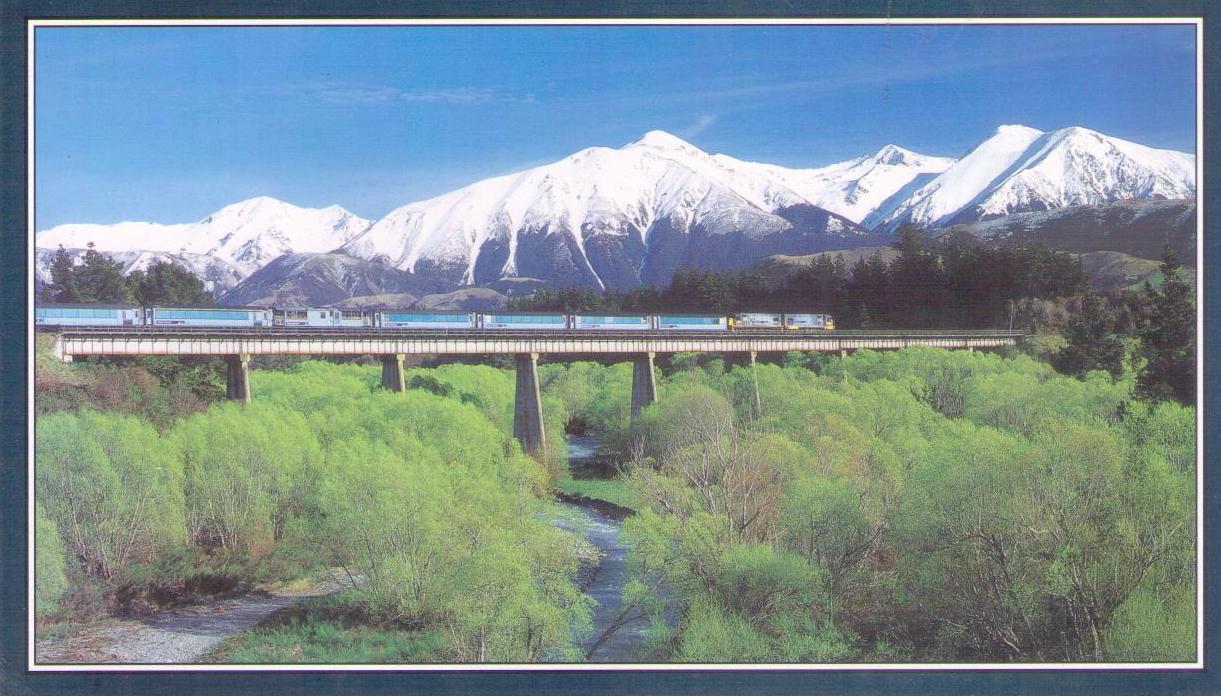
x,y
1136,228
776,268
1107,270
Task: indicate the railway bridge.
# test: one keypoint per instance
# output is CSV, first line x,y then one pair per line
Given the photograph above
x,y
238,345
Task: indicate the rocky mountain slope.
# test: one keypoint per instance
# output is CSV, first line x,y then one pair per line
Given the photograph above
x,y
1136,228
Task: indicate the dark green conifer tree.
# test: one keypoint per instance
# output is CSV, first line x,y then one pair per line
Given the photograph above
x,y
100,278
169,284
63,281
1092,341
1168,339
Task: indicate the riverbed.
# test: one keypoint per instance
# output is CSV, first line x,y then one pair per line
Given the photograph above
x,y
606,585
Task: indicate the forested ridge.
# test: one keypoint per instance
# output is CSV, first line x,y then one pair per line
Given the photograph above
x,y
930,283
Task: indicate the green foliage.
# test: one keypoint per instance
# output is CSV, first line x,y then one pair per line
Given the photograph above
x,y
62,287
112,485
954,281
1093,343
244,464
612,490
161,389
921,503
166,283
566,300
1168,339
429,500
1154,627
1163,430
711,634
592,396
423,498
327,631
99,279
50,578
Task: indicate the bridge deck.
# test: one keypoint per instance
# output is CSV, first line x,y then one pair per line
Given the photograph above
x,y
83,341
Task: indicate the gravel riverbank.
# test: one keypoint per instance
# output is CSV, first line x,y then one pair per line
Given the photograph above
x,y
179,636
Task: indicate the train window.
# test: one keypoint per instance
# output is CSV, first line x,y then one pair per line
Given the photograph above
x,y
691,320
612,320
526,319
205,314
421,317
76,313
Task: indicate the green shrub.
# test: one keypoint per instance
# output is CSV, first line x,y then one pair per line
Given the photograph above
x,y
1154,627
50,580
112,485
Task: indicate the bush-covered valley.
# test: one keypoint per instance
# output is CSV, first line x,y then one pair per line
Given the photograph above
x,y
913,505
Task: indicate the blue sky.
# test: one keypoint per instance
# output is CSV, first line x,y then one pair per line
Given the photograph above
x,y
171,124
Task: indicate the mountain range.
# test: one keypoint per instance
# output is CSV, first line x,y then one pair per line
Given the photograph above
x,y
629,216
223,249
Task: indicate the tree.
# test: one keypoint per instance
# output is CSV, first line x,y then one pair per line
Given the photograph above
x,y
63,282
112,485
1092,341
100,278
168,284
1168,339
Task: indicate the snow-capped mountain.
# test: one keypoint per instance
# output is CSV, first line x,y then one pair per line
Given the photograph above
x,y
244,236
622,217
1021,169
608,218
857,187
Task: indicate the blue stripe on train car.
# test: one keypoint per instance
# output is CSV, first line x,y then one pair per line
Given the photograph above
x,y
690,322
611,323
524,321
427,320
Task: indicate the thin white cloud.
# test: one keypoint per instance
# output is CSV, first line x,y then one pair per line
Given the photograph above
x,y
701,124
357,94
375,94
454,95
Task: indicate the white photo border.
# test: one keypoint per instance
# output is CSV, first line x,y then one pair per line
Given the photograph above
x,y
34,24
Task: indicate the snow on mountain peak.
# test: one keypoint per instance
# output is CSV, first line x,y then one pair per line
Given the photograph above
x,y
892,154
246,234
1016,130
662,140
1020,168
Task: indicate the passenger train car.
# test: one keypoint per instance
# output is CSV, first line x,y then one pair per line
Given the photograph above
x,y
61,315
781,321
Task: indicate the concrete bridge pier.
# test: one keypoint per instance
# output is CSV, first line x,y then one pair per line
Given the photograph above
x,y
237,385
528,406
392,373
644,382
755,401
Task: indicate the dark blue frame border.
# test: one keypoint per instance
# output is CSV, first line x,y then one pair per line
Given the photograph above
x,y
15,679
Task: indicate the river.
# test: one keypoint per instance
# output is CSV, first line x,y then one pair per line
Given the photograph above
x,y
607,583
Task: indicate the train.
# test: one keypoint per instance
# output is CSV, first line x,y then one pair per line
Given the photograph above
x,y
101,315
